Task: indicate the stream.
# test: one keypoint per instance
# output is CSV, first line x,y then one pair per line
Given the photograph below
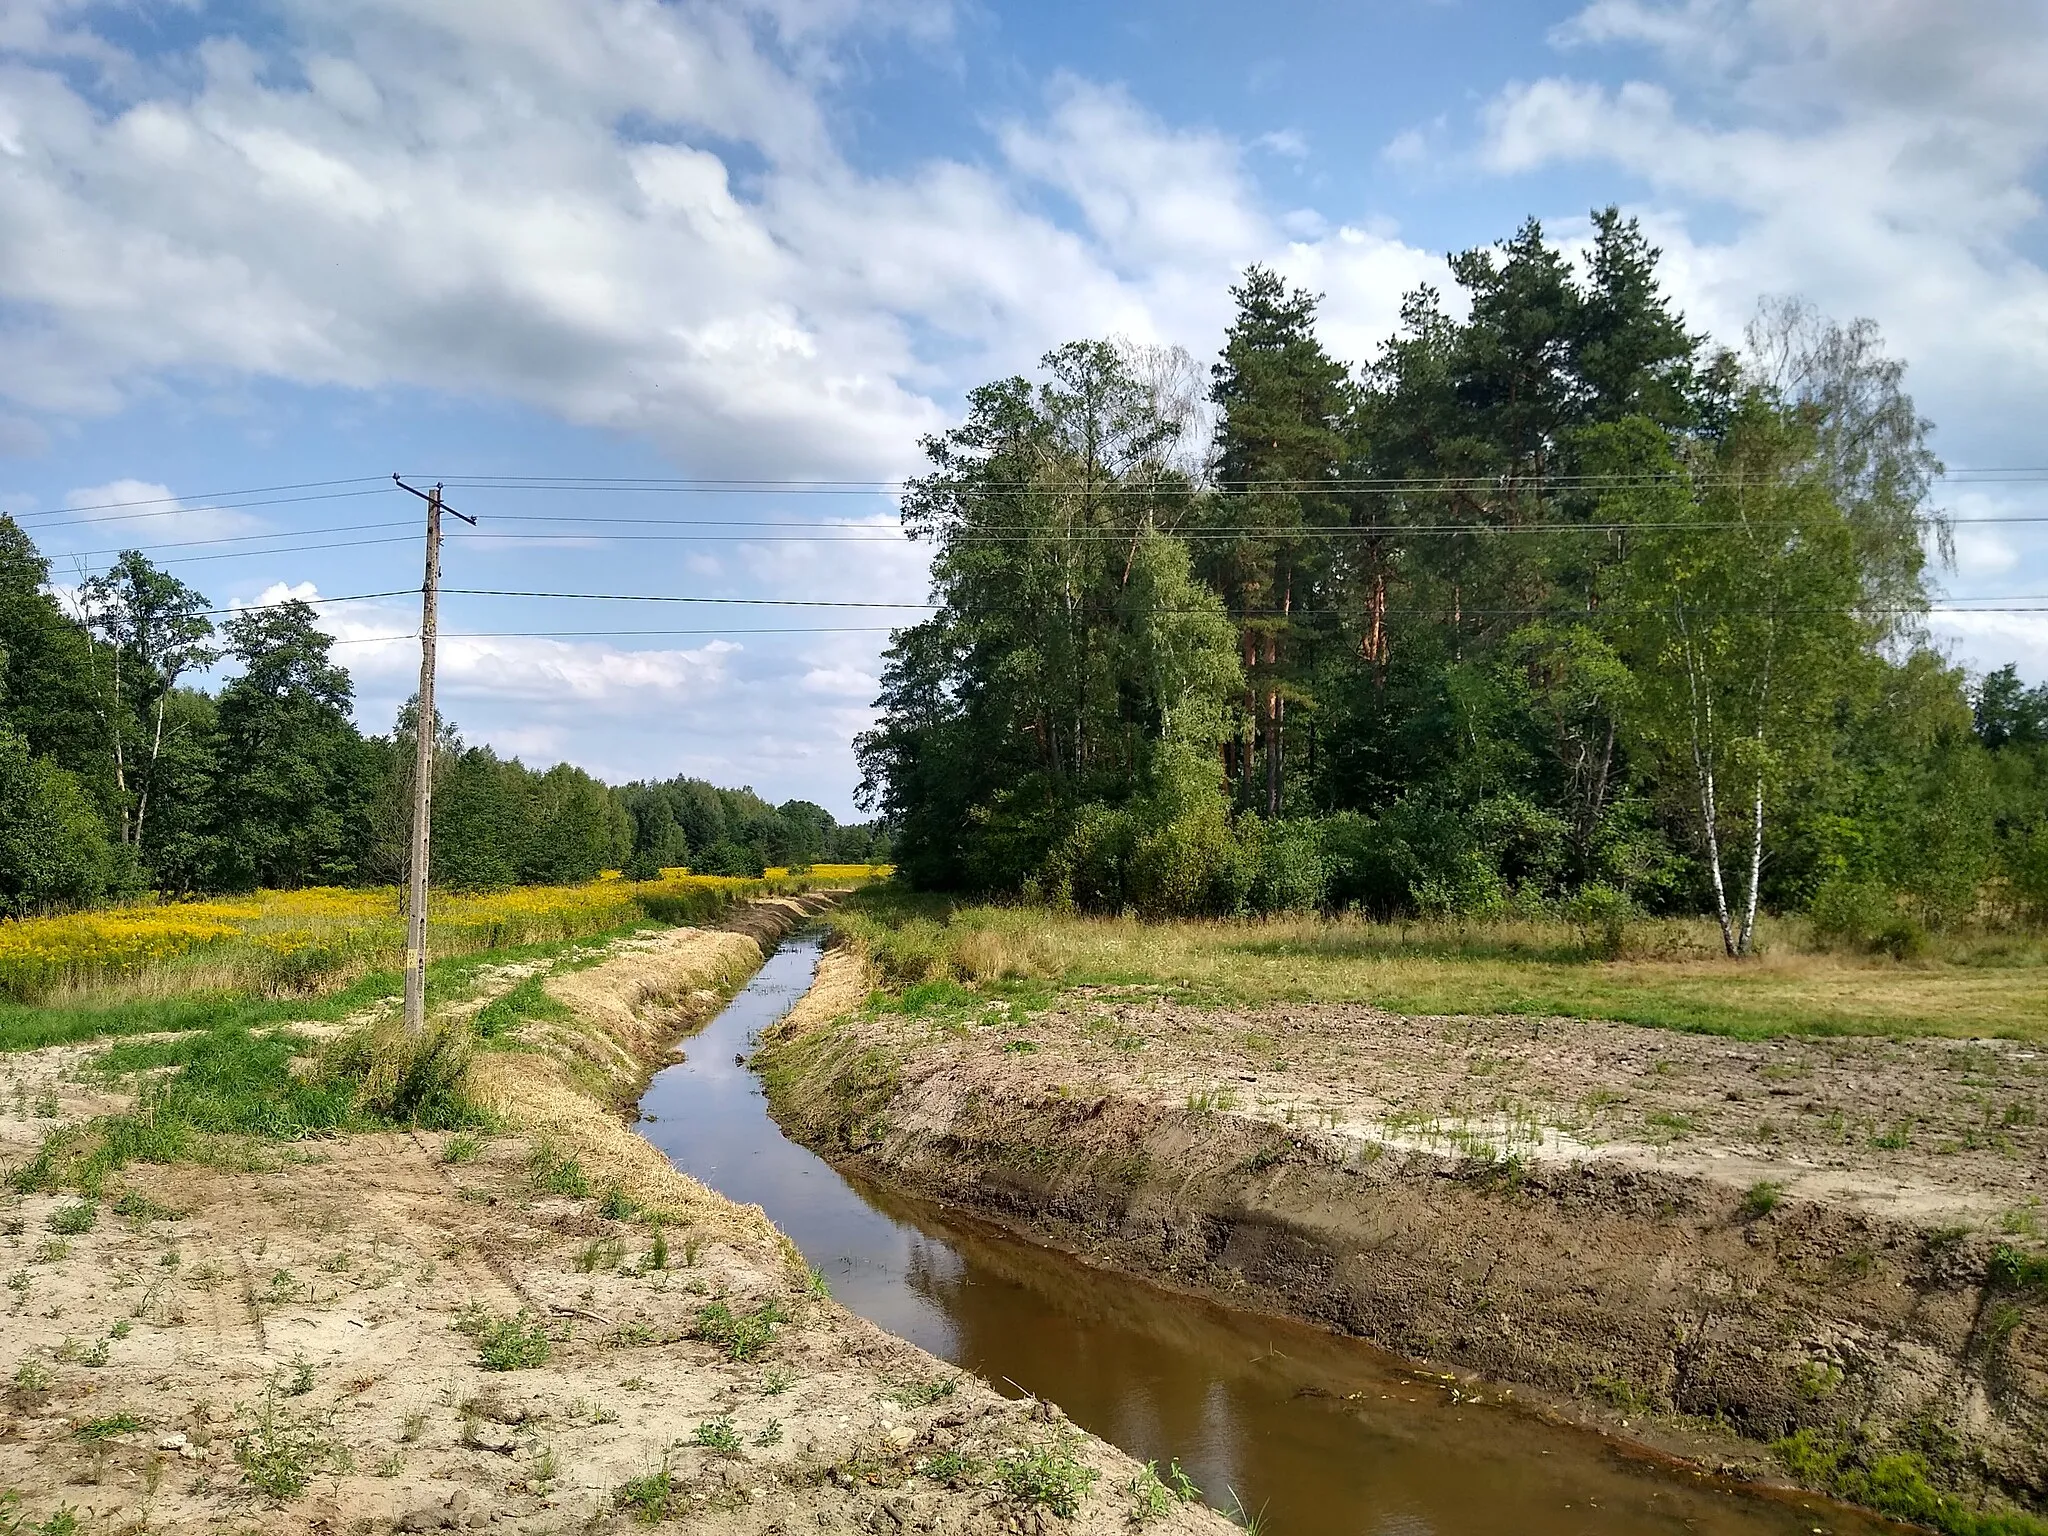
x,y
1316,1432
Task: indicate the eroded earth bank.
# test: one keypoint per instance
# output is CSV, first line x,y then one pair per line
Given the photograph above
x,y
540,1328
1810,1259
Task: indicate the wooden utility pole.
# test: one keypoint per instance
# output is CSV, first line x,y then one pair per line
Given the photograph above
x,y
423,768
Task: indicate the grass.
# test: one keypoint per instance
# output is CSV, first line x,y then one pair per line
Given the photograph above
x,y
1050,1475
1674,977
742,1335
514,1343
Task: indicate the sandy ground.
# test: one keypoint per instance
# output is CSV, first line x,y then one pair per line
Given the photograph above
x,y
1723,1238
1929,1130
295,1345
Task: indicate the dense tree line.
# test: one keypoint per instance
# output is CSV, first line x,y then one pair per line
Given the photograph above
x,y
1552,601
117,776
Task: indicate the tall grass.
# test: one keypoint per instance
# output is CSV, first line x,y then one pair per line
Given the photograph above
x,y
1669,972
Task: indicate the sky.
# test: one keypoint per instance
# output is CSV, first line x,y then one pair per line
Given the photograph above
x,y
255,259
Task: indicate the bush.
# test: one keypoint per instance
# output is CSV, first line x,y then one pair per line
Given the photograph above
x,y
1850,913
403,1079
1601,915
53,847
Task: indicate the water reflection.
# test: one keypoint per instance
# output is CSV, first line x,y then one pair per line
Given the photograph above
x,y
1323,1433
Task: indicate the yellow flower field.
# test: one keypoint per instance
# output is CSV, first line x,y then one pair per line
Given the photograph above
x,y
298,941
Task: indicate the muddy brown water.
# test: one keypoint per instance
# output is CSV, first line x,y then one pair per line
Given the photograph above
x,y
1313,1432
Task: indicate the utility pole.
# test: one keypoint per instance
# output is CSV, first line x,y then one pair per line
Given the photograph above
x,y
423,767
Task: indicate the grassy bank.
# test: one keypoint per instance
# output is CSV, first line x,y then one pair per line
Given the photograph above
x,y
1669,973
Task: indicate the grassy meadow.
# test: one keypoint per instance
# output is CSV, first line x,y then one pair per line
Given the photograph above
x,y
1668,973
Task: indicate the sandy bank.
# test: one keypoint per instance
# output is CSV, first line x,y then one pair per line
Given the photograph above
x,y
543,1329
1717,1243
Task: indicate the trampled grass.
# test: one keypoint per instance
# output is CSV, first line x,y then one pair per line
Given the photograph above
x,y
1671,974
190,956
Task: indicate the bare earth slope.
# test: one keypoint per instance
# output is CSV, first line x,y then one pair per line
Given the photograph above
x,y
1797,1234
305,1343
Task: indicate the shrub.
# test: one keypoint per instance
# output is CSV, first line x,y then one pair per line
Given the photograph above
x,y
1601,915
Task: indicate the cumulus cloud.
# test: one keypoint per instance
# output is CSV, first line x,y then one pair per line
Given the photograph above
x,y
1873,154
631,216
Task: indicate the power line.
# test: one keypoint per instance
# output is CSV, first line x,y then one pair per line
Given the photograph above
x,y
53,516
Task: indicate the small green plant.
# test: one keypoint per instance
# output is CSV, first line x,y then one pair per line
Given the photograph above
x,y
1150,1498
121,1329
718,1436
1184,1487
546,1470
391,1466
97,1354
413,1426
948,1466
770,1433
742,1335
513,1343
649,1497
922,1394
616,1205
70,1220
335,1264
2017,1271
1253,1523
775,1381
1762,1198
50,1251
134,1206
107,1428
657,1252
300,1382
462,1147
280,1455
63,1523
1051,1475
600,1253
31,1376
554,1174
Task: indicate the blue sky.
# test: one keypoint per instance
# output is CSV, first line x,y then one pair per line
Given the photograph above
x,y
251,246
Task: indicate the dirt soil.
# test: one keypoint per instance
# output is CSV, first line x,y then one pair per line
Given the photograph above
x,y
1688,1233
303,1339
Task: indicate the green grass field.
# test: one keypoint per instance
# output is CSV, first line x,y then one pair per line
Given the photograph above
x,y
1670,975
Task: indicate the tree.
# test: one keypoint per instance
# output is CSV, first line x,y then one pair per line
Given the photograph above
x,y
1068,646
1737,616
1282,403
293,785
1866,441
53,850
147,629
44,677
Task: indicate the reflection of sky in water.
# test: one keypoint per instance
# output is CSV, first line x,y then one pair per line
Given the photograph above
x,y
1323,1433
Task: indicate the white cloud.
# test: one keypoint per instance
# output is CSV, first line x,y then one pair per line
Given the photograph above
x,y
1985,641
1286,142
140,512
1873,155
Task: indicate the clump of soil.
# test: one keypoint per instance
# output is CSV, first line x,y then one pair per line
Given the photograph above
x,y
1827,1238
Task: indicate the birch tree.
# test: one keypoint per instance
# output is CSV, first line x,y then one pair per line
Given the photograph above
x,y
145,629
1738,617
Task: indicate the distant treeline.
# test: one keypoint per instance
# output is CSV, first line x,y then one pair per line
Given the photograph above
x,y
1550,604
117,776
